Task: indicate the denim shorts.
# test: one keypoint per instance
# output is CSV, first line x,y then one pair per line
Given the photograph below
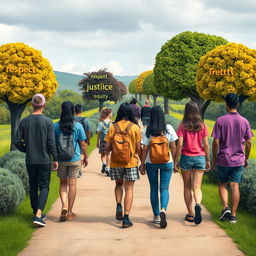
x,y
192,162
230,174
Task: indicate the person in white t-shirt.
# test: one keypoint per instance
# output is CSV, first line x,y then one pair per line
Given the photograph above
x,y
157,128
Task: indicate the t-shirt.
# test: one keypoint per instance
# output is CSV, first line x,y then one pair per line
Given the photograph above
x,y
81,119
232,130
136,110
170,135
35,137
135,136
192,141
78,135
103,127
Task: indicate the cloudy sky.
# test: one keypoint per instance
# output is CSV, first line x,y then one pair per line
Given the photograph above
x,y
124,36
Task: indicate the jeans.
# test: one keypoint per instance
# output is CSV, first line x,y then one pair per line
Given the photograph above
x,y
39,178
165,177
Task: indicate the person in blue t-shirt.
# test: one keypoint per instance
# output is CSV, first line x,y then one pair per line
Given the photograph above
x,y
68,170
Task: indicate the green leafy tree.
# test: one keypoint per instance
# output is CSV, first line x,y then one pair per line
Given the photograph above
x,y
149,87
92,87
176,64
132,87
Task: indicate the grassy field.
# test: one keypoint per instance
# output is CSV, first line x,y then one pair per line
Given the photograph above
x,y
210,125
5,135
16,229
244,232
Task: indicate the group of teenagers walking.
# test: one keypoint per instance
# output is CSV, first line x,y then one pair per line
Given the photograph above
x,y
129,150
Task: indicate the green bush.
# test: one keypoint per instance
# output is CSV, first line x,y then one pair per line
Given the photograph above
x,y
12,191
16,154
18,167
172,121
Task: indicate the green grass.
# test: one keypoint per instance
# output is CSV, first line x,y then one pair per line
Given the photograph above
x,y
177,106
244,232
16,229
210,125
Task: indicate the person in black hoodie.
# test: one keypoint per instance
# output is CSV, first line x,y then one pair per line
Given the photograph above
x,y
145,113
35,136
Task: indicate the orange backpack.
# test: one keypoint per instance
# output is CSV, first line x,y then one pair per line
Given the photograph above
x,y
159,150
121,145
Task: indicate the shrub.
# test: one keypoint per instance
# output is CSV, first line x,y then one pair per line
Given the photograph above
x,y
18,167
16,154
172,121
12,191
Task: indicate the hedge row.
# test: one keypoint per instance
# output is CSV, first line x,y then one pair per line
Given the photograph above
x,y
13,181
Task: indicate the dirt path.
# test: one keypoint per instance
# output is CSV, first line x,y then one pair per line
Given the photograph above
x,y
96,232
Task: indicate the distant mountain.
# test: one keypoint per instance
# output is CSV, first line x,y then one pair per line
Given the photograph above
x,y
68,81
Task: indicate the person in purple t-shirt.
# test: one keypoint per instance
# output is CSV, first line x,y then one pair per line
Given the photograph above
x,y
231,149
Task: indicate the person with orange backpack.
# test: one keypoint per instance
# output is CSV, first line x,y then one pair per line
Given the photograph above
x,y
123,141
157,142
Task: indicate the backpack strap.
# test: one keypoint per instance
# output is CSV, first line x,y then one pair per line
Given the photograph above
x,y
117,128
127,129
129,126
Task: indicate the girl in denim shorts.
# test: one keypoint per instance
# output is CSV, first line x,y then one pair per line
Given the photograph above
x,y
194,154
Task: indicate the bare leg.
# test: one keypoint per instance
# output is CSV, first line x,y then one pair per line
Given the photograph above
x,y
186,175
235,196
119,191
197,183
103,157
223,191
108,160
64,192
38,213
128,199
71,194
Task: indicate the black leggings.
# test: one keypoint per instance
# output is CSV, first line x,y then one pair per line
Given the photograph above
x,y
39,178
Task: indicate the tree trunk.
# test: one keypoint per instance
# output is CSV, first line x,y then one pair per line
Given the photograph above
x,y
136,96
166,105
140,97
16,112
154,98
148,97
101,105
242,98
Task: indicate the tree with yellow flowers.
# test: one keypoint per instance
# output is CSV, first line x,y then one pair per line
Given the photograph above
x,y
23,73
229,68
140,80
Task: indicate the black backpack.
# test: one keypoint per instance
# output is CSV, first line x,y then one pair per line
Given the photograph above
x,y
65,147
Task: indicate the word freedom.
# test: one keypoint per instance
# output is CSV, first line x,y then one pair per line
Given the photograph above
x,y
20,69
222,72
99,87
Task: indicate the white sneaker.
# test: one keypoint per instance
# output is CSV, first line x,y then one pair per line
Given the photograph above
x,y
156,219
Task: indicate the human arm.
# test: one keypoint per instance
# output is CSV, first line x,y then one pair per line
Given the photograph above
x,y
178,153
88,131
248,145
173,148
215,150
98,138
19,139
144,153
207,153
83,147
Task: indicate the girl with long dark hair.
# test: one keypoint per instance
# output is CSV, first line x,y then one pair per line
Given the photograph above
x,y
157,141
193,151
70,136
123,139
102,130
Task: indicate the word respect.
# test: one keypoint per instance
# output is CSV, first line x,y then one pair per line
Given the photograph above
x,y
20,69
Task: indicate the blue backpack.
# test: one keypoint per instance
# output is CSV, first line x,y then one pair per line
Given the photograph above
x,y
105,127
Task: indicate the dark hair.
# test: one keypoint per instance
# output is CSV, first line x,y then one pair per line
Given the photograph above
x,y
232,100
105,113
66,118
78,108
125,112
192,120
133,101
157,125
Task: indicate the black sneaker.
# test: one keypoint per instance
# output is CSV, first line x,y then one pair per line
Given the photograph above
x,y
198,216
225,214
119,212
126,222
163,222
233,219
43,217
103,169
107,171
38,222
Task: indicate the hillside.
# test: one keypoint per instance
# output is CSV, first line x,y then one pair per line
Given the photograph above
x,y
68,81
